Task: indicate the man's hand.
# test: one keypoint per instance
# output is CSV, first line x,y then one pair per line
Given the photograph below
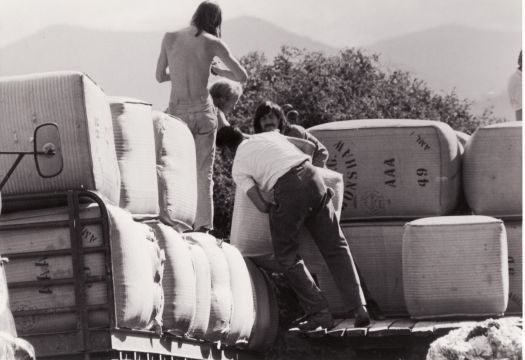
x,y
255,196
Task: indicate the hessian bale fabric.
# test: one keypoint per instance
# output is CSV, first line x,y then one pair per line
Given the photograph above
x,y
201,318
377,250
393,168
250,231
179,281
455,266
243,310
492,170
176,171
221,294
135,147
136,279
81,111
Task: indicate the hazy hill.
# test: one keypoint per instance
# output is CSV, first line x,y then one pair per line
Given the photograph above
x,y
123,63
477,63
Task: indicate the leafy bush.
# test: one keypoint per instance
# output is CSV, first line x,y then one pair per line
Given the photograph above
x,y
349,85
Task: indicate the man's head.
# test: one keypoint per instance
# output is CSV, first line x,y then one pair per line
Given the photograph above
x,y
229,137
208,17
225,94
269,117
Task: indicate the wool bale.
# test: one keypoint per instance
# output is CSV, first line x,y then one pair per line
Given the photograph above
x,y
7,322
221,294
201,319
81,111
176,171
515,246
266,325
135,148
255,239
455,266
135,253
243,309
179,280
376,248
15,348
492,170
393,168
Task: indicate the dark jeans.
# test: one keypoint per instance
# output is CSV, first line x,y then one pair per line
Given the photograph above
x,y
301,198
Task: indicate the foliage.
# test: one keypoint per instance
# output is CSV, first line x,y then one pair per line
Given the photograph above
x,y
349,85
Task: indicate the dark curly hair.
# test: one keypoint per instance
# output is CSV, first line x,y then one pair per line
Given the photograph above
x,y
265,108
208,17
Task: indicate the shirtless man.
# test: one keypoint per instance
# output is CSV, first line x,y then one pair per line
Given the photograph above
x,y
186,59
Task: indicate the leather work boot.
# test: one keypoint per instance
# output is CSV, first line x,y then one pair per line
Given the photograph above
x,y
361,317
321,319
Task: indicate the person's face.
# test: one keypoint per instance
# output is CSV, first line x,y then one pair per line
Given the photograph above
x,y
270,122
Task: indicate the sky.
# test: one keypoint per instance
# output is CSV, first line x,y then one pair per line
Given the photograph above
x,y
334,22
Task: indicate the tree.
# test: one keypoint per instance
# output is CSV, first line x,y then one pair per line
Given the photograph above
x,y
347,86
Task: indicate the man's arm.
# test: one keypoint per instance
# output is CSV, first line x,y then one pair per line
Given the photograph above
x,y
162,63
320,154
235,70
305,146
255,196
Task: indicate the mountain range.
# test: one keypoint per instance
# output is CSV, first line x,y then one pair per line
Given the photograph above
x,y
476,63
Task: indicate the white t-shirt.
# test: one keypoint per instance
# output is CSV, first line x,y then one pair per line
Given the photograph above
x,y
262,159
514,90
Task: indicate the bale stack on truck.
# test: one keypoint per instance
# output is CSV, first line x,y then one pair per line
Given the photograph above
x,y
99,265
433,219
103,263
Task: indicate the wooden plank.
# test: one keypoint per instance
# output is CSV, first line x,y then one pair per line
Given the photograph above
x,y
324,332
401,327
423,328
352,331
340,328
379,328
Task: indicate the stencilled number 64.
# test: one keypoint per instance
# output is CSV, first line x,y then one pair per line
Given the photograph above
x,y
422,175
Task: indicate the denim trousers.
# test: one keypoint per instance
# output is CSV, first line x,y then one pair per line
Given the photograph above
x,y
301,198
201,117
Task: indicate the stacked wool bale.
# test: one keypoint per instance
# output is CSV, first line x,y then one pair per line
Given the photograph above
x,y
80,109
95,140
213,294
393,170
135,149
492,174
176,171
455,266
136,260
210,293
144,162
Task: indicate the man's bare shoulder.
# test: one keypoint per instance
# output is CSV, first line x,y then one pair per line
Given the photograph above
x,y
212,40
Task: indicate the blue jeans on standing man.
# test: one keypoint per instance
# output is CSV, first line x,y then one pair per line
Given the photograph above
x,y
302,198
201,117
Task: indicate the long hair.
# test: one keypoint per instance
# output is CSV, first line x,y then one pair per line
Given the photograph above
x,y
265,108
208,17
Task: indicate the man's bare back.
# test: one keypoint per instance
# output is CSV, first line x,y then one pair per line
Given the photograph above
x,y
189,60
